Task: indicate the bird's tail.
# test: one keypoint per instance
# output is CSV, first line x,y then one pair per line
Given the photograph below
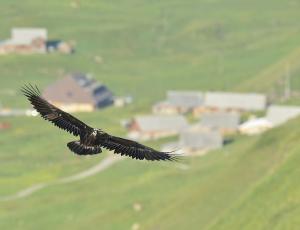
x,y
80,149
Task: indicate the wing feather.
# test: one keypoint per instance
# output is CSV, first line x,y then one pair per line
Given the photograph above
x,y
134,149
53,114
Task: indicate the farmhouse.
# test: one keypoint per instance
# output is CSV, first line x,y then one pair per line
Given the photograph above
x,y
240,102
32,40
156,126
196,140
77,92
25,41
226,122
179,102
278,114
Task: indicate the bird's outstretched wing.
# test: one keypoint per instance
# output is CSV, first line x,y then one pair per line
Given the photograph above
x,y
53,114
136,150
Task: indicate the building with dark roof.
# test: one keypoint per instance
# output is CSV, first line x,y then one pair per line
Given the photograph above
x,y
77,92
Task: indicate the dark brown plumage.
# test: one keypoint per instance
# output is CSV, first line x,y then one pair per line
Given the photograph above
x,y
91,140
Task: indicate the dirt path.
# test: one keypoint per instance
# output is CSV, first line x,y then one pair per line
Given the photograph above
x,y
104,164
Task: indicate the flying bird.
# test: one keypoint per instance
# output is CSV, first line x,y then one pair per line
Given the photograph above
x,y
91,140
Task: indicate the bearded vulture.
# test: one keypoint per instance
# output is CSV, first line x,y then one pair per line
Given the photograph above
x,y
91,140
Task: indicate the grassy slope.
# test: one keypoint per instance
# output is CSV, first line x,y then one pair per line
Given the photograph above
x,y
146,46
274,202
155,45
252,184
35,151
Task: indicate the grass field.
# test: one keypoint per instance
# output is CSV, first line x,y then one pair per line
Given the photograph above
x,y
217,45
148,47
251,184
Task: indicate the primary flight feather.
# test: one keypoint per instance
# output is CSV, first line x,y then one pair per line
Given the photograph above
x,y
91,140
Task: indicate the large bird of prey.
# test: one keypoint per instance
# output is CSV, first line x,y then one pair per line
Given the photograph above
x,y
91,140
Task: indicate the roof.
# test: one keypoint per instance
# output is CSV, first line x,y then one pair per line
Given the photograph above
x,y
243,101
161,123
278,114
220,120
78,88
27,35
186,99
201,139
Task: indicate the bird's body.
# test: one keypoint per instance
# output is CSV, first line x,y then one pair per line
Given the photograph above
x,y
91,140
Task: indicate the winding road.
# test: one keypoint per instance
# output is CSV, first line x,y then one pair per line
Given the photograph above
x,y
101,166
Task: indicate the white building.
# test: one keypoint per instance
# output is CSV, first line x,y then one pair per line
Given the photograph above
x,y
223,121
25,41
278,114
235,101
26,36
196,140
179,102
156,126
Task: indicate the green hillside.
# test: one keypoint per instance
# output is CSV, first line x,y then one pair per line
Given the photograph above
x,y
148,47
252,184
